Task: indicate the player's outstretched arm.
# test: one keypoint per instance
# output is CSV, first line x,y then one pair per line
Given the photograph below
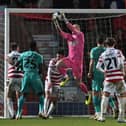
x,y
69,25
63,16
55,17
55,21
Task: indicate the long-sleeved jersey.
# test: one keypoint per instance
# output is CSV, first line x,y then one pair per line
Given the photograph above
x,y
75,43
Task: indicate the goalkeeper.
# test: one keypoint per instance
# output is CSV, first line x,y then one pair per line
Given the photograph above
x,y
73,63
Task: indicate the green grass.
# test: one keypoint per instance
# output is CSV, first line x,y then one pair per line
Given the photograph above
x,y
59,121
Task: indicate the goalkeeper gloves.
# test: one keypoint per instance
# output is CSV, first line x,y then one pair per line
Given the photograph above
x,y
64,17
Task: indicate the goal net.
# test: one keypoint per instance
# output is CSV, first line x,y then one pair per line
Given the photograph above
x,y
24,25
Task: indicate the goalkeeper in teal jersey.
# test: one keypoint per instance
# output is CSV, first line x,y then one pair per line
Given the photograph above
x,y
97,79
31,63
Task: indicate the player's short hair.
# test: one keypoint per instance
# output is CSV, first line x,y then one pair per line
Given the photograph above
x,y
14,46
110,41
100,40
61,52
33,45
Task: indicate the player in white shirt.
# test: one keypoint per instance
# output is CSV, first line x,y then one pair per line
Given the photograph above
x,y
111,63
52,86
14,78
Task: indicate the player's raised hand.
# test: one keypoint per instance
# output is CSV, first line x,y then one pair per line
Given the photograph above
x,y
54,16
63,17
56,24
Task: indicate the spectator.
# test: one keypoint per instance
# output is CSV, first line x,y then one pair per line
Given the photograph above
x,y
45,3
76,3
114,4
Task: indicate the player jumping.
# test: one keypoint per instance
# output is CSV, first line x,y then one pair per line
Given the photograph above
x,y
72,65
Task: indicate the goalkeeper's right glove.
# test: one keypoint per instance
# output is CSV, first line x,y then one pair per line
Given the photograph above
x,y
54,16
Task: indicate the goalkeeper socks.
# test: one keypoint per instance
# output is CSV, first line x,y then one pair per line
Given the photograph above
x,y
41,103
97,103
20,106
83,88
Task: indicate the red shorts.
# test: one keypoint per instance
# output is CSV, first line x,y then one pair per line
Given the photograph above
x,y
76,66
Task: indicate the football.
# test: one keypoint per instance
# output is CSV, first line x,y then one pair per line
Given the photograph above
x,y
57,15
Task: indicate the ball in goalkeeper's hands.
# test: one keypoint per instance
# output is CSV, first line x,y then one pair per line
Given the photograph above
x,y
54,16
57,15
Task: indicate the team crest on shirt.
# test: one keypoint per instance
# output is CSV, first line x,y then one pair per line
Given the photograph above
x,y
72,43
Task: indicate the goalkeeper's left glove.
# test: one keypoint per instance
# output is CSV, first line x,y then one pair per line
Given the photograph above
x,y
64,17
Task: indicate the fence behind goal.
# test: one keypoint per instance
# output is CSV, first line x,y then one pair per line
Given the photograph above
x,y
24,25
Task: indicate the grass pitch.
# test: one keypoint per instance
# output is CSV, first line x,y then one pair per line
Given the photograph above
x,y
59,121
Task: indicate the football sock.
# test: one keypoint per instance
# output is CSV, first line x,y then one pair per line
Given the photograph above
x,y
46,105
112,103
51,108
83,88
20,105
41,103
97,103
122,103
104,104
10,107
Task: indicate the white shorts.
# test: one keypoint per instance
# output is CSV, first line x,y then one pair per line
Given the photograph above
x,y
14,84
114,88
54,90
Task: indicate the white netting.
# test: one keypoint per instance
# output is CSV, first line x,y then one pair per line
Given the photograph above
x,y
25,26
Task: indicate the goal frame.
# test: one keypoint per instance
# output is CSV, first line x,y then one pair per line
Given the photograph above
x,y
29,10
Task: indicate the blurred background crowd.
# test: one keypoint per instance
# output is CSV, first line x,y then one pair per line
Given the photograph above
x,y
84,4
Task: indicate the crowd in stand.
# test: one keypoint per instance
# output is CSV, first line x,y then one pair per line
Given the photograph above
x,y
102,4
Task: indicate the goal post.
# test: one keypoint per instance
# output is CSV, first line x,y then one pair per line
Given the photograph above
x,y
100,17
